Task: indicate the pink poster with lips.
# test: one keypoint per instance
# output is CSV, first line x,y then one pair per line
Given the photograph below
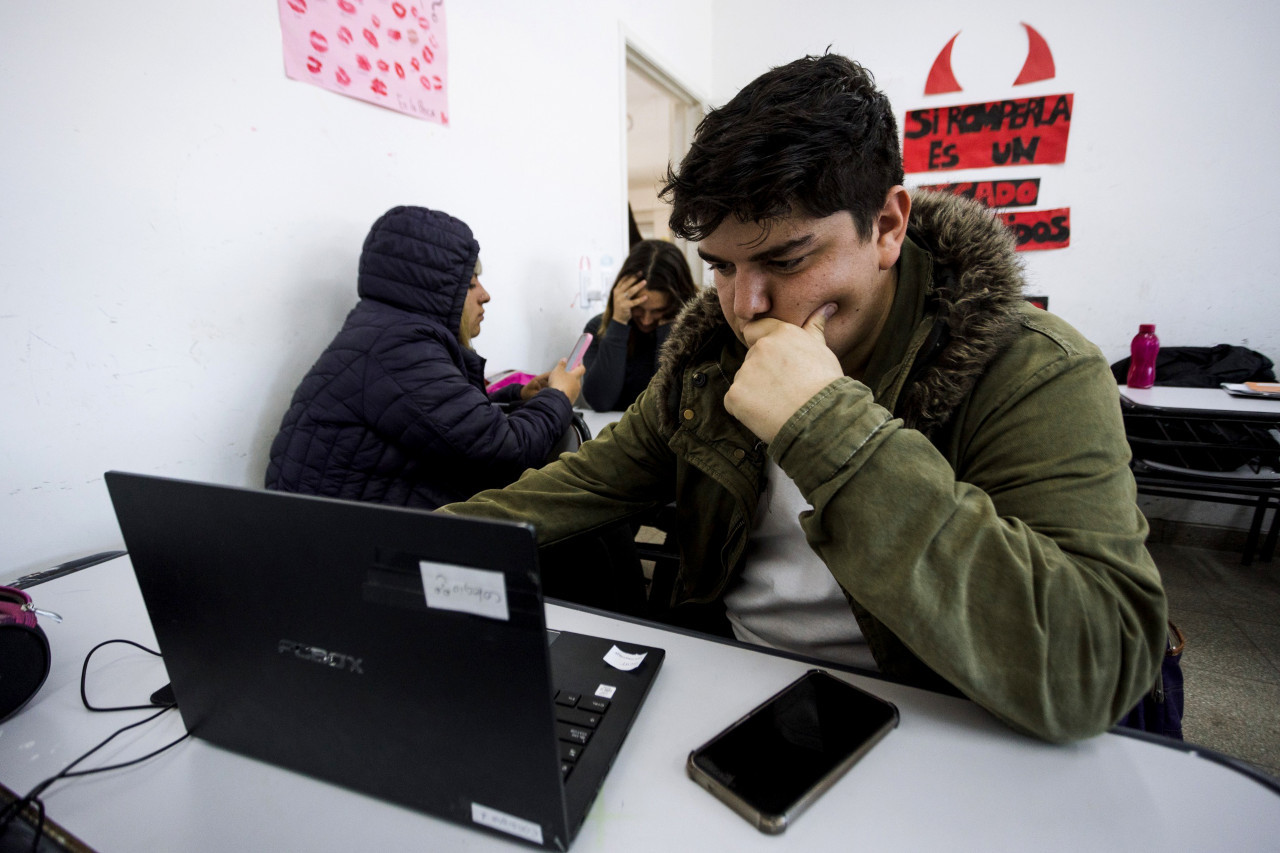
x,y
393,54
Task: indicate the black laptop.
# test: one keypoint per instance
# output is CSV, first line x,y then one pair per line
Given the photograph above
x,y
396,652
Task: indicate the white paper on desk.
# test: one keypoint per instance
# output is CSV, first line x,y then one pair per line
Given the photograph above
x,y
465,590
1239,389
625,661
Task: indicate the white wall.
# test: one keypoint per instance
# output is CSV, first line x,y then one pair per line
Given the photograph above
x,y
180,223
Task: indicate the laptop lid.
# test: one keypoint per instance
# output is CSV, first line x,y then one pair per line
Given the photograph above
x,y
398,652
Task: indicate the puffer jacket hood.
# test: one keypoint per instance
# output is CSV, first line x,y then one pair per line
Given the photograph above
x,y
976,294
420,260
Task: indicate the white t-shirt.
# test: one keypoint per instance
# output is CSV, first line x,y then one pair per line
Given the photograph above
x,y
786,598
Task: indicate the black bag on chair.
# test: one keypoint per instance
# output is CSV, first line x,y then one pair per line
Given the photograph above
x,y
1204,367
1160,711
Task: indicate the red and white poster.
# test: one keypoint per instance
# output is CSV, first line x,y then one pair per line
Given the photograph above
x,y
1010,192
393,54
1016,132
1019,132
1036,230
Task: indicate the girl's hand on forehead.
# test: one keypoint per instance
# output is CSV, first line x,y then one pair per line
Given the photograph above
x,y
628,293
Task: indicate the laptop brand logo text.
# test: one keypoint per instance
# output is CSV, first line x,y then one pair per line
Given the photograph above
x,y
315,654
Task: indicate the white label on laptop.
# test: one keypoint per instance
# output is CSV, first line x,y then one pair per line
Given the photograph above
x,y
625,661
465,590
606,691
506,823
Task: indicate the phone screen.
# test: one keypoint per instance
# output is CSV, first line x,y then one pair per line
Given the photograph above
x,y
778,758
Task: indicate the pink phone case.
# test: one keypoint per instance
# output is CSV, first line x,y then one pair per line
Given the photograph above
x,y
579,350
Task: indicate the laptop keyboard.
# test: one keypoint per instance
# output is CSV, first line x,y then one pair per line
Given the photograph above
x,y
577,717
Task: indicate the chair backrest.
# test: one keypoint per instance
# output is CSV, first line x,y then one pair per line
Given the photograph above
x,y
574,436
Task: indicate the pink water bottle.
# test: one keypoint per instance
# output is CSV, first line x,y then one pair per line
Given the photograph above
x,y
1142,361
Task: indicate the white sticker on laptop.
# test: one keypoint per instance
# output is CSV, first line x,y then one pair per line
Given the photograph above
x,y
494,819
465,590
606,691
625,661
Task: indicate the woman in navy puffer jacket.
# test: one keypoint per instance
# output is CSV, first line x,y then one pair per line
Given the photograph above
x,y
395,410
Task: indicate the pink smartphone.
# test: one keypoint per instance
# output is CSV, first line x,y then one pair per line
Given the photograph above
x,y
579,350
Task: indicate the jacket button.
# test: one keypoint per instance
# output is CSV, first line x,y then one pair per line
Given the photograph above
x,y
699,380
739,454
688,414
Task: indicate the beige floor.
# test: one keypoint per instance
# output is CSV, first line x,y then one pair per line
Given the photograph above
x,y
1230,615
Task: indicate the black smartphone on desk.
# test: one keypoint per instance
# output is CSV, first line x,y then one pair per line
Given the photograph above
x,y
773,763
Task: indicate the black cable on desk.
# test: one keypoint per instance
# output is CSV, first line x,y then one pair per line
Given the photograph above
x,y
84,674
11,811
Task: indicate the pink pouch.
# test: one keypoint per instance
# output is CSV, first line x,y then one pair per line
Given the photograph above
x,y
16,608
24,651
513,378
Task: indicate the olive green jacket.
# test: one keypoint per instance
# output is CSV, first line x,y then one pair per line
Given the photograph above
x,y
972,496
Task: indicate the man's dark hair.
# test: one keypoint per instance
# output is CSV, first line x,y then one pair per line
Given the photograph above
x,y
812,137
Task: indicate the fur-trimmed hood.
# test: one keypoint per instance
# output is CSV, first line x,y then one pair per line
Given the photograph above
x,y
975,297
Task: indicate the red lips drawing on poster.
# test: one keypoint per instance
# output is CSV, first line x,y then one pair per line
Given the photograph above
x,y
365,48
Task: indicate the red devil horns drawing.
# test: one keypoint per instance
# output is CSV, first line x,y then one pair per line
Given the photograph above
x,y
1039,65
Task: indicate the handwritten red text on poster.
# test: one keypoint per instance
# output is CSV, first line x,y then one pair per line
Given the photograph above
x,y
1040,229
1017,192
1015,132
393,54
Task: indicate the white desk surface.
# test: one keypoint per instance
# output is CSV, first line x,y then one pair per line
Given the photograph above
x,y
1208,399
949,778
596,421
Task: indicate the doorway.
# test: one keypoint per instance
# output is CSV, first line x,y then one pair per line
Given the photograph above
x,y
661,117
